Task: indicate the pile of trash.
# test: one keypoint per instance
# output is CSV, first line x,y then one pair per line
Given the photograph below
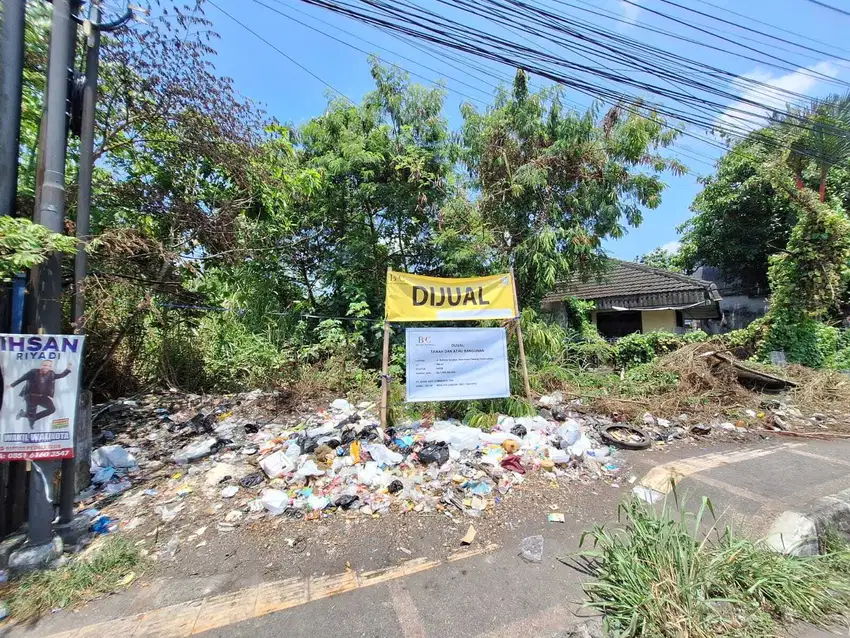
x,y
327,461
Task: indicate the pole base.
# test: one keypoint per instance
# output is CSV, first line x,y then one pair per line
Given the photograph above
x,y
30,558
72,531
8,546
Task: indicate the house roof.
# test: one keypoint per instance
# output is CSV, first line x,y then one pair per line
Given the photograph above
x,y
626,285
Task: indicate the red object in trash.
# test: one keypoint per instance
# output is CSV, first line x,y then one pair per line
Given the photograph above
x,y
513,464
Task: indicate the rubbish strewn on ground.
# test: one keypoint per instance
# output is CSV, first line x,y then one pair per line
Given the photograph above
x,y
172,460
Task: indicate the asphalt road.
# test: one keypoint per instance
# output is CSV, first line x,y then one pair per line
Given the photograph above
x,y
489,591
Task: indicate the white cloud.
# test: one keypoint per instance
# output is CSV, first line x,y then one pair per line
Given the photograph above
x,y
672,247
741,114
630,13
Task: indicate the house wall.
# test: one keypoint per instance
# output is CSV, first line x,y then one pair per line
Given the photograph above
x,y
658,320
738,311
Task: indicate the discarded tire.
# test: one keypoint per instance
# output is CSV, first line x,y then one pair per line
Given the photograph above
x,y
625,436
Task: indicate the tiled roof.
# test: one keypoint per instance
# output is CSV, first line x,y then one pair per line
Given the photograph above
x,y
633,285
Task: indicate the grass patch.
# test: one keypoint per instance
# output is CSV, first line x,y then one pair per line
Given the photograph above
x,y
663,574
101,570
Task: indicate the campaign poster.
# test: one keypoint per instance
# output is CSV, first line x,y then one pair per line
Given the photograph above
x,y
41,379
448,364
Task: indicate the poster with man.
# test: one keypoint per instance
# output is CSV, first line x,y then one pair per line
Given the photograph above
x,y
40,380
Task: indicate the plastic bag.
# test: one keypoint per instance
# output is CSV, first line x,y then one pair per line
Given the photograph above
x,y
371,475
505,423
112,456
341,405
647,494
382,454
569,433
318,502
309,468
195,451
580,447
293,451
459,437
435,453
531,549
104,475
275,501
277,464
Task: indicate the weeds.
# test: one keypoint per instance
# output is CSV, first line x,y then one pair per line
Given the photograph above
x,y
664,574
103,570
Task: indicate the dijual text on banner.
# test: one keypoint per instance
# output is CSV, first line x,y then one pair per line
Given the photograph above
x,y
448,364
41,378
420,298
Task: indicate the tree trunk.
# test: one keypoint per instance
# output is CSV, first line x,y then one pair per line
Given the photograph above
x,y
798,179
823,171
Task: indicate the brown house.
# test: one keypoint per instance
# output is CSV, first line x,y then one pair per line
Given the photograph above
x,y
631,297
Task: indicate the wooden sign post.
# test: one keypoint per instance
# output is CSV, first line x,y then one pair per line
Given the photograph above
x,y
521,344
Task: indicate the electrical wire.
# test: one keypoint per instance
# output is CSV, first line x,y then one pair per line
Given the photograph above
x,y
773,26
327,35
830,7
718,19
288,57
445,33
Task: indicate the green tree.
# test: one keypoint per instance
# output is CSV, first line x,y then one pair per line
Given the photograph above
x,y
740,219
553,184
661,258
817,135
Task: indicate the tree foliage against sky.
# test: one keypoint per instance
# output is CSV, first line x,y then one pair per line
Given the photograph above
x,y
203,200
740,218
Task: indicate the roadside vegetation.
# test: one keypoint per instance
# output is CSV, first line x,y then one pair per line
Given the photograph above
x,y
105,568
232,251
666,571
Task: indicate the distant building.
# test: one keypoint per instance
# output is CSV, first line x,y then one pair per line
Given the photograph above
x,y
739,305
631,297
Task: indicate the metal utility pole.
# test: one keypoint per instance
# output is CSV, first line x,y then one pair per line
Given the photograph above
x,y
92,29
82,431
12,475
47,279
92,33
12,55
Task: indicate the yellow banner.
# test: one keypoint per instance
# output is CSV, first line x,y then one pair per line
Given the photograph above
x,y
419,298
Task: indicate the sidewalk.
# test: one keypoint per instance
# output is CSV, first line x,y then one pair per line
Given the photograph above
x,y
486,591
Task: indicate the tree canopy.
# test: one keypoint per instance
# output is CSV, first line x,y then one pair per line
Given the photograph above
x,y
203,201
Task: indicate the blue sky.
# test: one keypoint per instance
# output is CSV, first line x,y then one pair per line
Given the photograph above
x,y
293,95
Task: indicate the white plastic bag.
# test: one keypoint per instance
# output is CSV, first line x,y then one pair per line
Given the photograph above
x,y
382,454
195,451
111,456
459,437
580,447
309,468
505,423
277,464
275,501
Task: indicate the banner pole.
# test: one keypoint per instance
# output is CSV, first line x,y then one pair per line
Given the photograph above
x,y
385,365
521,344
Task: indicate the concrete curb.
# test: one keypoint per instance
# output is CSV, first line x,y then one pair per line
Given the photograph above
x,y
800,533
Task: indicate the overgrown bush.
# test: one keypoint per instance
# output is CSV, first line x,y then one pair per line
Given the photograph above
x,y
648,379
639,348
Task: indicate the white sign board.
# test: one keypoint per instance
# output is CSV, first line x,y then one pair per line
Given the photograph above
x,y
447,364
41,378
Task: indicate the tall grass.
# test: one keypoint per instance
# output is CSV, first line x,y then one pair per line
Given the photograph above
x,y
665,573
101,571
